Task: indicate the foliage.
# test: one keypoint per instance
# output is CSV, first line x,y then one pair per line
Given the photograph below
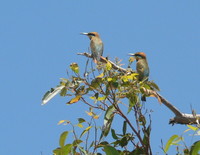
x,y
178,141
108,91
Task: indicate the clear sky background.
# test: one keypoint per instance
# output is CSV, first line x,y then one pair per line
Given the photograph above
x,y
39,39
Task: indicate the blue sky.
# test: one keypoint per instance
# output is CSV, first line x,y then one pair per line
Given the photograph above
x,y
39,39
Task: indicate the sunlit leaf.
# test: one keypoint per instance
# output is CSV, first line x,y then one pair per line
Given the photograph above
x,y
64,122
89,113
63,137
50,94
131,59
124,78
86,130
101,75
170,142
80,125
131,76
74,67
108,66
64,80
101,98
96,116
109,79
193,128
109,150
74,100
67,149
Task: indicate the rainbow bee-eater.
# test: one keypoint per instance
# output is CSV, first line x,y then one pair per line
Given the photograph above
x,y
96,45
142,68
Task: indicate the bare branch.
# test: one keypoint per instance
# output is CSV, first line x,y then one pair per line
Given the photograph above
x,y
104,60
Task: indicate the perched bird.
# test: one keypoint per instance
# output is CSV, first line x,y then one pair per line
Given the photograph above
x,y
96,45
142,68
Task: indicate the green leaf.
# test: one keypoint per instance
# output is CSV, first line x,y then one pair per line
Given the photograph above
x,y
108,118
170,142
132,102
57,151
77,142
63,92
113,134
67,149
109,150
50,94
195,149
74,67
137,151
146,137
63,137
81,120
123,142
96,83
155,86
124,127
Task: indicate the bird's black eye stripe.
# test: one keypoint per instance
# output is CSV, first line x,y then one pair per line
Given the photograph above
x,y
91,34
138,55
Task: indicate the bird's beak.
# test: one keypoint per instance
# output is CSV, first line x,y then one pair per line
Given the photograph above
x,y
84,33
131,54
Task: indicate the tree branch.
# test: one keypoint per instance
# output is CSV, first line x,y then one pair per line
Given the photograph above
x,y
180,118
104,60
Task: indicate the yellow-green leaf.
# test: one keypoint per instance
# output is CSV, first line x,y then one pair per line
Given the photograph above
x,y
74,100
74,67
108,66
109,150
100,76
86,130
63,137
195,149
131,59
80,125
170,142
64,122
193,128
109,79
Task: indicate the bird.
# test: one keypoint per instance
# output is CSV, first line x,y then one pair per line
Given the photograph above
x,y
96,45
142,68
